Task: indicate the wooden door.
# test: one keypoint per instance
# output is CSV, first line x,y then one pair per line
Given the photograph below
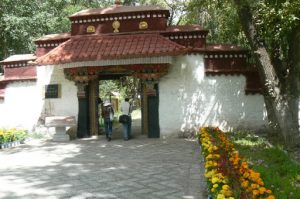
x,y
153,113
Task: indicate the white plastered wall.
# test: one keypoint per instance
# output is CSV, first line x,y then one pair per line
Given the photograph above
x,y
188,100
67,104
21,106
24,105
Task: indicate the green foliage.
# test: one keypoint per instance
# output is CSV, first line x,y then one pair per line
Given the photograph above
x,y
275,21
278,170
37,135
125,86
106,87
23,21
10,135
219,17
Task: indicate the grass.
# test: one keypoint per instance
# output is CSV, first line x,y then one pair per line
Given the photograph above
x,y
278,170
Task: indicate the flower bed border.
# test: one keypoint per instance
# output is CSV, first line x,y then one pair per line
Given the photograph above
x,y
228,175
11,144
12,137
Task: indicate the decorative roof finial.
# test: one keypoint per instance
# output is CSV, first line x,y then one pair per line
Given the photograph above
x,y
118,2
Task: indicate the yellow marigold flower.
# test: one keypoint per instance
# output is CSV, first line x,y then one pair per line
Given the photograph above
x,y
245,183
214,180
220,196
225,187
255,192
215,185
228,193
246,175
262,190
244,165
212,190
271,197
217,156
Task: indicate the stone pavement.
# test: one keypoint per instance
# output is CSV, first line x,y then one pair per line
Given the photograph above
x,y
140,168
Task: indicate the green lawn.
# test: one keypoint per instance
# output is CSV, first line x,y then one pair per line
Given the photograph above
x,y
278,169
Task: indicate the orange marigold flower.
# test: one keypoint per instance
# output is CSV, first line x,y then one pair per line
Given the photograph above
x,y
254,186
268,191
260,182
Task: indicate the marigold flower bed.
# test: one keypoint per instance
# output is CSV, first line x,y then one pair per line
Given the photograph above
x,y
228,175
12,137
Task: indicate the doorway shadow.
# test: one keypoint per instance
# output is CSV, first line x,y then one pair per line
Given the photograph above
x,y
117,134
136,130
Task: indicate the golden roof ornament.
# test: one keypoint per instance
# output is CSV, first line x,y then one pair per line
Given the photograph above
x,y
118,2
116,25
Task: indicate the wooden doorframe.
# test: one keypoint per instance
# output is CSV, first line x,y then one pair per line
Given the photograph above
x,y
93,108
83,125
88,106
150,109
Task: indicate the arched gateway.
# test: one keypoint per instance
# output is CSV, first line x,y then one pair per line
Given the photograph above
x,y
186,82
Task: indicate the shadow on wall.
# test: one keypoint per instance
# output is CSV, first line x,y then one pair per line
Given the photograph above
x,y
189,99
65,104
217,101
213,100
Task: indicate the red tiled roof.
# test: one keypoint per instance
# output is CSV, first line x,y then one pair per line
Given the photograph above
x,y
54,37
117,9
23,57
111,47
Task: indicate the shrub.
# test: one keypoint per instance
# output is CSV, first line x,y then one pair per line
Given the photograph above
x,y
10,135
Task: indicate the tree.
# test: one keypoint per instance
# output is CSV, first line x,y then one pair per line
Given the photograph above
x,y
273,31
219,17
20,25
270,29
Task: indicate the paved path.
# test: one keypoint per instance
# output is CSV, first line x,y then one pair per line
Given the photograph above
x,y
141,168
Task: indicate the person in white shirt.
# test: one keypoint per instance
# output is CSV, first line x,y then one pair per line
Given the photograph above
x,y
126,110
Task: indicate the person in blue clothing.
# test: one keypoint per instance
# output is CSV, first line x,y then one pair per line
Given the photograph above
x,y
126,110
108,115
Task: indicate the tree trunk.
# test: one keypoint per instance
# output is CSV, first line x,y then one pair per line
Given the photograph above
x,y
292,87
281,95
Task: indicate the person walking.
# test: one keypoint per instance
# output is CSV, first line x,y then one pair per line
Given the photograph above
x,y
108,116
126,110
